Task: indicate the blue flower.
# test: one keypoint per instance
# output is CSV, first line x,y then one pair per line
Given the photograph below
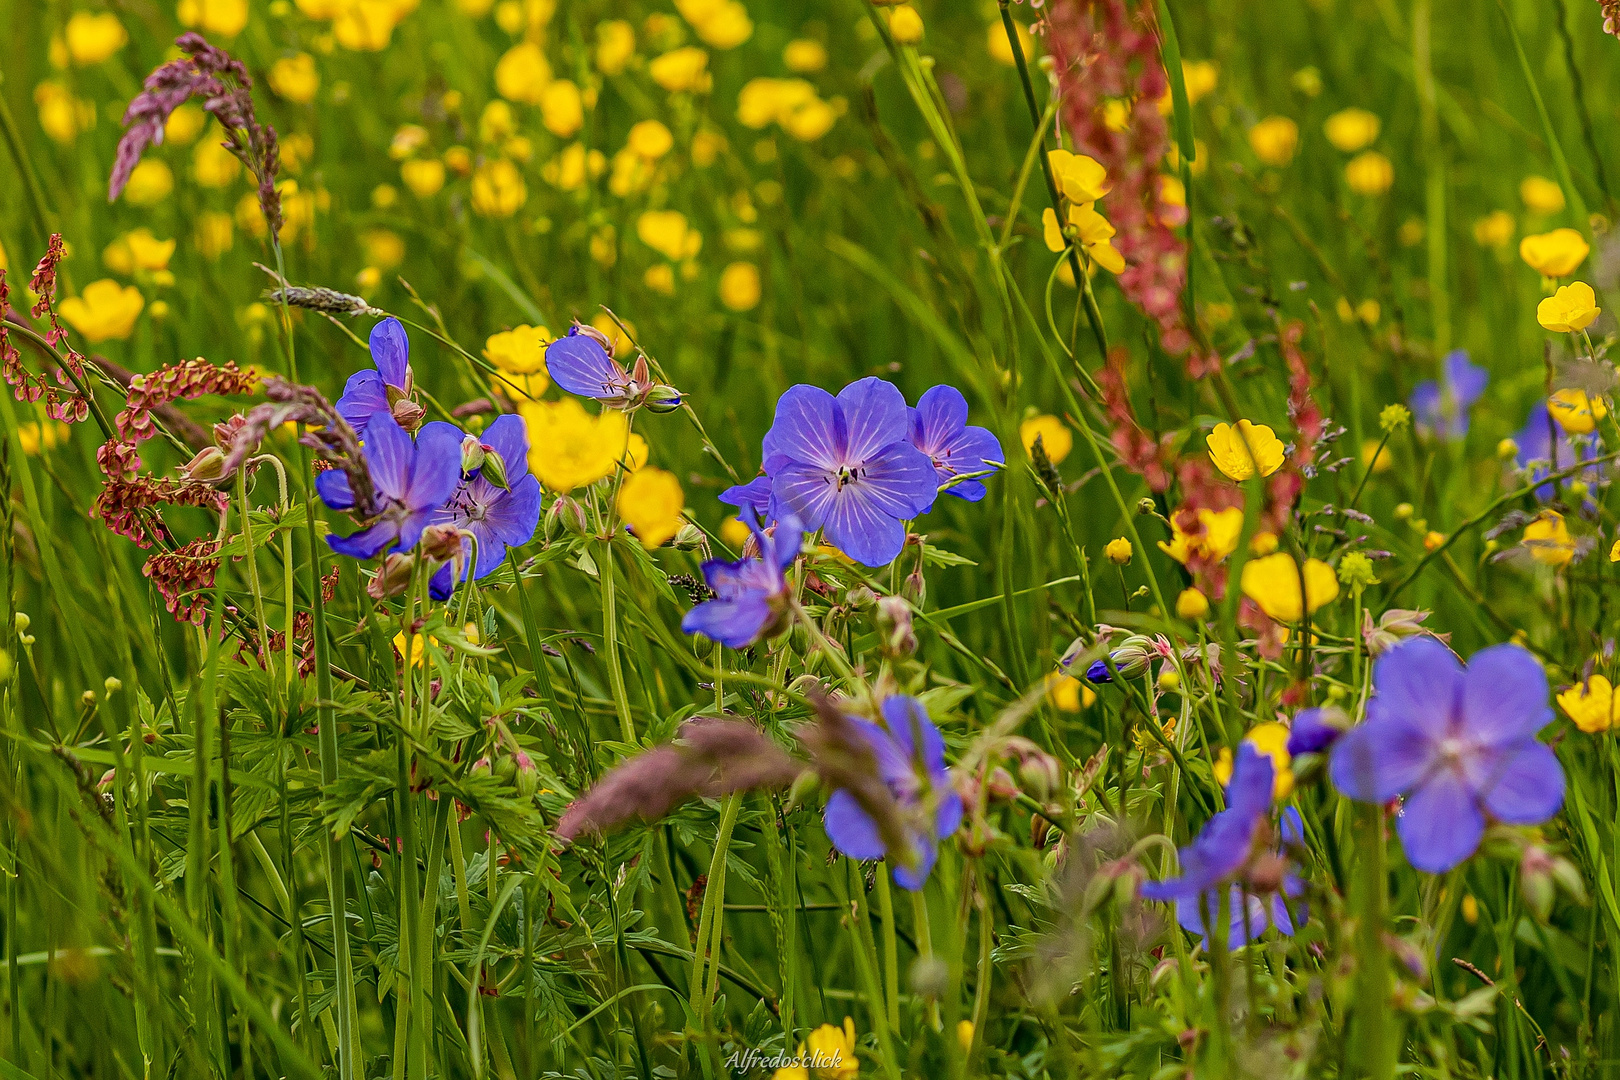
x,y
412,480
911,761
1456,743
1312,732
1226,847
1466,383
1545,448
939,428
580,363
373,392
847,465
498,517
751,594
753,499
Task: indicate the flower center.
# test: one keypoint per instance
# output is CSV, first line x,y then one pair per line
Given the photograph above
x,y
847,475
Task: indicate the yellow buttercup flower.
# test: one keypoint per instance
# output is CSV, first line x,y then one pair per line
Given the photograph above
x,y
522,72
137,250
905,24
650,139
93,38
1369,173
1080,179
295,79
1554,254
1199,77
651,503
792,104
1221,531
1573,307
521,352
424,177
184,125
1591,704
667,232
1549,540
1094,233
569,170
37,435
804,56
568,447
1495,229
214,234
104,311
1273,583
1118,551
1350,130
367,25
562,108
1270,739
831,1052
1541,195
1576,411
683,70
1056,438
1192,604
1001,50
227,18
739,286
1264,451
212,165
615,45
498,189
150,183
496,123
720,24
1274,140
1068,693
61,115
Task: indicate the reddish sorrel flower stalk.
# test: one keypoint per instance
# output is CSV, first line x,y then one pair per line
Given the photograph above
x,y
184,381
1107,54
184,576
1137,449
62,402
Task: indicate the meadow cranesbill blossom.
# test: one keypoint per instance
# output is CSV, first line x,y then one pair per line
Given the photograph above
x,y
910,756
1231,848
498,515
412,480
752,499
1544,447
1445,409
939,428
847,465
751,594
386,389
580,363
1456,743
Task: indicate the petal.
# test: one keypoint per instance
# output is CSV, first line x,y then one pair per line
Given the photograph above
x,y
1504,695
1252,776
913,878
437,470
753,497
948,818
861,531
1527,784
1418,681
509,437
1467,380
899,480
802,490
391,351
367,542
333,488
410,529
874,413
578,363
786,541
1424,402
391,456
513,515
804,431
364,396
940,414
849,828
440,585
907,719
1440,825
735,623
893,761
1379,759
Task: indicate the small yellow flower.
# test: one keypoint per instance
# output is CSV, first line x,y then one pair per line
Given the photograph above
x,y
804,57
615,45
496,123
650,139
1068,693
1080,179
683,70
295,79
1192,604
37,435
1221,530
1264,451
1274,140
1273,583
1001,50
150,183
137,250
424,177
1381,462
1270,739
1549,540
498,189
569,170
1118,551
1541,195
1350,130
740,287
1432,540
1262,543
93,38
1369,173
213,166
522,72
720,24
184,125
660,278
568,447
521,353
1056,438
214,234
1576,411
1573,307
1591,704
1470,910
906,25
562,108
1495,229
651,503
1555,254
667,232
1200,77
104,311
227,18
367,25
834,1050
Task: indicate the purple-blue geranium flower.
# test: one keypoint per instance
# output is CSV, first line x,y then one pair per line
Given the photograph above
x,y
1545,448
752,499
939,428
385,390
580,363
1458,744
412,481
1313,731
911,760
846,465
498,517
1465,381
750,594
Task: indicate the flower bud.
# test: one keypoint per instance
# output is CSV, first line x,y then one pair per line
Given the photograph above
x,y
915,587
207,465
112,685
1039,830
441,543
1506,449
1192,604
894,624
804,789
408,414
1169,678
88,699
483,766
662,399
21,622
473,455
1536,882
568,514
1002,787
505,768
526,776
1039,773
394,577
930,977
1146,506
1118,551
493,466
690,538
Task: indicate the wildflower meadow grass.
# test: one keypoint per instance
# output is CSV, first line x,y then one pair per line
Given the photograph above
x,y
819,539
